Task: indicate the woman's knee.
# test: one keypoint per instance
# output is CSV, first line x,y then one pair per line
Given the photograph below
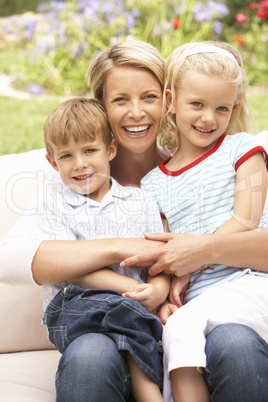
x,y
237,364
92,364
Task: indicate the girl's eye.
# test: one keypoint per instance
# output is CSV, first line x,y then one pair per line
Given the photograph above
x,y
150,96
197,104
222,109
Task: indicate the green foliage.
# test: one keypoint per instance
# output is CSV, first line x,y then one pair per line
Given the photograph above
x,y
8,7
58,42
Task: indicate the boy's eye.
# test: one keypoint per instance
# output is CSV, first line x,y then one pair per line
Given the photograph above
x,y
65,156
90,150
197,104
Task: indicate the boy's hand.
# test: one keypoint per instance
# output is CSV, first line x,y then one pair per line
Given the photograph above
x,y
146,295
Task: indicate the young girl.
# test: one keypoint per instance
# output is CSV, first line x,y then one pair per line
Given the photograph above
x,y
216,181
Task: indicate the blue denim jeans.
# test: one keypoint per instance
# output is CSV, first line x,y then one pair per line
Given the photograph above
x,y
76,311
237,364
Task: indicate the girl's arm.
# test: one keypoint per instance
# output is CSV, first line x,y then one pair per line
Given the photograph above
x,y
250,195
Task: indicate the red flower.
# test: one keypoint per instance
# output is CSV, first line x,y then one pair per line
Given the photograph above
x,y
239,39
176,23
264,4
252,6
241,18
262,14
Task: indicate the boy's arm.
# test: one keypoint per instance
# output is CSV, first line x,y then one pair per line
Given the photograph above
x,y
250,195
105,278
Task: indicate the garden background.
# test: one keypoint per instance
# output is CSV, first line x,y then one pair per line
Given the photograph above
x,y
46,46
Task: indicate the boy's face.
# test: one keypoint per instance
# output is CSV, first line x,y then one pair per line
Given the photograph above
x,y
84,166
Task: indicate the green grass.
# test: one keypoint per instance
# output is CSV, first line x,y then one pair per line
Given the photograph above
x,y
22,123
21,127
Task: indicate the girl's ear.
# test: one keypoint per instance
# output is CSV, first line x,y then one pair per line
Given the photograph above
x,y
169,102
112,150
52,162
235,106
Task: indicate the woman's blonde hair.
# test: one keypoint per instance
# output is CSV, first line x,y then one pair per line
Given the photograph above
x,y
77,119
133,53
212,64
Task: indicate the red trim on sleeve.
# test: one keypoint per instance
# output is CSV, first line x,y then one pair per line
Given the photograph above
x,y
247,155
163,216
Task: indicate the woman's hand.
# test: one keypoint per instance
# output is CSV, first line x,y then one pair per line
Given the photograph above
x,y
182,254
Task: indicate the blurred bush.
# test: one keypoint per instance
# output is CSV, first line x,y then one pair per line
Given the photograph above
x,y
60,39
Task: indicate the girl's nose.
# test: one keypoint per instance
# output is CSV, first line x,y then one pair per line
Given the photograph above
x,y
208,116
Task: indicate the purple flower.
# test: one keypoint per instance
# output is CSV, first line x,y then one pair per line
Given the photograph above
x,y
217,27
34,89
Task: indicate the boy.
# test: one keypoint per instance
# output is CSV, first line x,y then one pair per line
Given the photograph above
x,y
87,203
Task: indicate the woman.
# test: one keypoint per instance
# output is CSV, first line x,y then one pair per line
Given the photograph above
x,y
128,78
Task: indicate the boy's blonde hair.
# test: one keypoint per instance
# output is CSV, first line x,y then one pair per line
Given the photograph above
x,y
78,118
133,53
211,64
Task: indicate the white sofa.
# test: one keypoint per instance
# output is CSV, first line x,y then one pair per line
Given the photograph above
x,y
28,361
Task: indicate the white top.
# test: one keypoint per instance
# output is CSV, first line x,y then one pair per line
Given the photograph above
x,y
124,212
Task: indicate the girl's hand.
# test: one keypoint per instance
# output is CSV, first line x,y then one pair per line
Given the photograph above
x,y
165,311
178,288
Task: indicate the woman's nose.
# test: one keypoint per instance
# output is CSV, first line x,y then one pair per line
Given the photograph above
x,y
136,110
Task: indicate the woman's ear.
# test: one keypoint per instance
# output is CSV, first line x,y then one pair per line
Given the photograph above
x,y
169,102
112,150
52,162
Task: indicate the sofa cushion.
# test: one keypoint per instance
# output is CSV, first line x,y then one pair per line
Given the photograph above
x,y
20,319
28,376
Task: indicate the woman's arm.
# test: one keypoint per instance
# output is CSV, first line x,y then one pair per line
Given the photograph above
x,y
64,260
185,253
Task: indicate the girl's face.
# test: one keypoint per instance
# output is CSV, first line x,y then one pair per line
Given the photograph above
x,y
133,102
203,106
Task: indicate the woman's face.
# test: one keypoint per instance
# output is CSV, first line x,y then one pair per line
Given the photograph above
x,y
133,102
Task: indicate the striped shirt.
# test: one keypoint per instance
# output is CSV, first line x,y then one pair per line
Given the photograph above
x,y
199,198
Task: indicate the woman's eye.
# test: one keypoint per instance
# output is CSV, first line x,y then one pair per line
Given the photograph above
x,y
119,100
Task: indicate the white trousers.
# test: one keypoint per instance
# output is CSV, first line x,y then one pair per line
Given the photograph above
x,y
243,301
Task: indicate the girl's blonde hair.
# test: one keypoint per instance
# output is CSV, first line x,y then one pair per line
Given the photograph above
x,y
79,119
212,64
133,53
